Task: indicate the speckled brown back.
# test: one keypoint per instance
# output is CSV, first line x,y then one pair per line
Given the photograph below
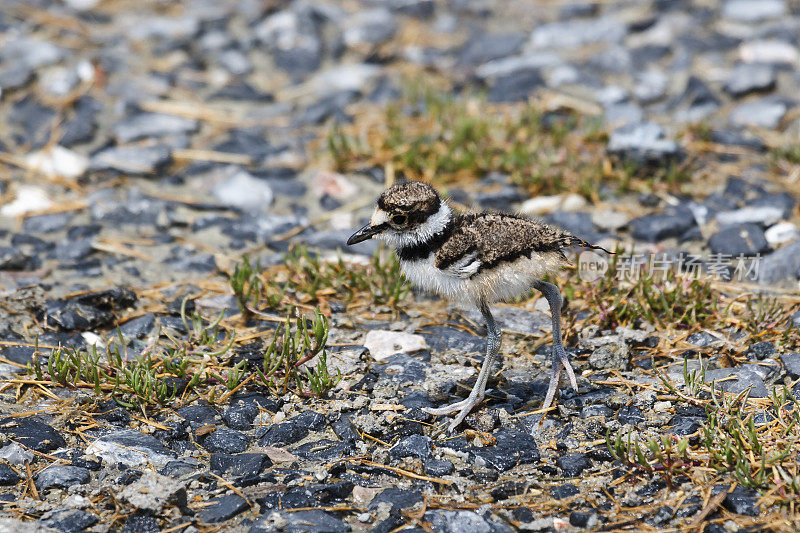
x,y
500,237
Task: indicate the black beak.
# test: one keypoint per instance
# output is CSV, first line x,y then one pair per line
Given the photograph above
x,y
365,233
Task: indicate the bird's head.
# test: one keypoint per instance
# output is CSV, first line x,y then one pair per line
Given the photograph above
x,y
405,213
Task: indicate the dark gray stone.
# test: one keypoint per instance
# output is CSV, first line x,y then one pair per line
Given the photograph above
x,y
62,476
742,501
14,259
489,46
439,467
146,125
293,430
461,521
567,490
138,327
68,520
645,142
654,228
225,440
572,464
314,521
511,449
749,78
238,465
223,508
137,160
418,446
240,416
8,476
738,379
516,86
780,265
630,414
742,239
33,433
764,113
791,361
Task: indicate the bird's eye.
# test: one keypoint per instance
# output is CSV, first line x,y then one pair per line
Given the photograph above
x,y
399,220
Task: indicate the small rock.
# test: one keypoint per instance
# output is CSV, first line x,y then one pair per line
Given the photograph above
x,y
791,361
146,125
780,265
240,416
567,490
369,27
32,433
576,33
516,86
239,465
738,379
610,356
225,440
749,78
458,522
307,521
383,343
764,215
490,46
132,159
244,191
27,199
293,430
770,51
152,492
8,476
742,501
62,476
418,446
742,239
753,10
764,113
223,508
439,467
130,448
645,142
511,449
58,162
572,464
630,414
68,520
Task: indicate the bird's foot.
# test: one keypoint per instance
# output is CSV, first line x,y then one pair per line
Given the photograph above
x,y
560,362
463,408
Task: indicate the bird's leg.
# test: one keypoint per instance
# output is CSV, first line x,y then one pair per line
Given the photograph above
x,y
560,359
494,338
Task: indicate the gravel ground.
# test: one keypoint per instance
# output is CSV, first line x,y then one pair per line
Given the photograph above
x,y
147,147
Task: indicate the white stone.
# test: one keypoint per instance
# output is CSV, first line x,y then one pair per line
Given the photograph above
x,y
753,10
542,205
58,162
768,51
609,220
758,215
28,200
781,233
244,191
16,454
352,77
384,343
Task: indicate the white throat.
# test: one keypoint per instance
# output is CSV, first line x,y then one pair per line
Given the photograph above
x,y
433,225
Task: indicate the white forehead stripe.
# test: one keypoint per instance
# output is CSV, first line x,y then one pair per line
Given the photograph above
x,y
379,217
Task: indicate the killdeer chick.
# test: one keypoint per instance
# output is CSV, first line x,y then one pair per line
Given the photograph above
x,y
473,259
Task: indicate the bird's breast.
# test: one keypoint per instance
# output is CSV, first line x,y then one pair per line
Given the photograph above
x,y
424,274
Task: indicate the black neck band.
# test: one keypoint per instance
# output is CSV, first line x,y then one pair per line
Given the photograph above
x,y
423,249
